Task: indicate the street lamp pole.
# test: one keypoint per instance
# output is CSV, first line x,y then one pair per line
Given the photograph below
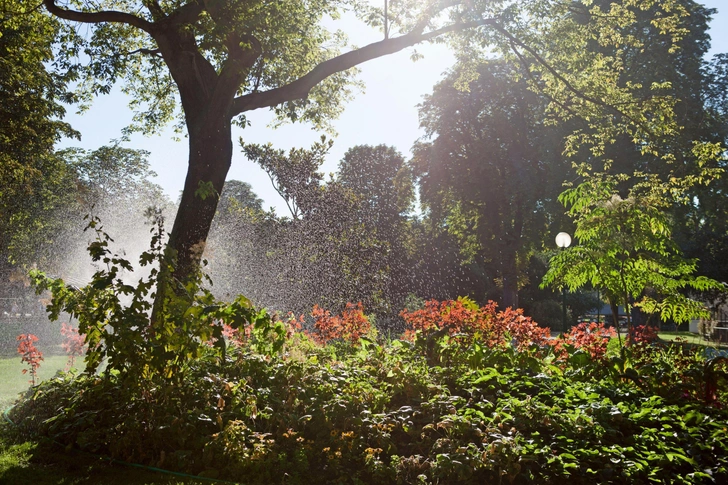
x,y
563,240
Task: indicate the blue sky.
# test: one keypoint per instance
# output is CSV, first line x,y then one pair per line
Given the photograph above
x,y
385,113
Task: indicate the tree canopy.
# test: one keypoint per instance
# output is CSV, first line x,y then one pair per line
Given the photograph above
x,y
229,57
491,166
31,97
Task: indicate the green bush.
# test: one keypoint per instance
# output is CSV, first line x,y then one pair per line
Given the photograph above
x,y
476,396
382,413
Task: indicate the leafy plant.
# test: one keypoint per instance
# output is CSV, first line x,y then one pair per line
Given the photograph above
x,y
642,334
625,249
350,326
385,414
30,354
121,326
591,337
74,344
464,316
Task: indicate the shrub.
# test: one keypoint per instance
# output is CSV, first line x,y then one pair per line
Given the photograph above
x,y
465,317
642,335
383,415
592,337
350,326
30,354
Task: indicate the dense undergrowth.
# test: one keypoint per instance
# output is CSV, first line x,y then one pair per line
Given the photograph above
x,y
469,395
443,409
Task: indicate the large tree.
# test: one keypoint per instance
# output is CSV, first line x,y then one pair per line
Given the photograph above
x,y
490,169
701,227
226,58
383,187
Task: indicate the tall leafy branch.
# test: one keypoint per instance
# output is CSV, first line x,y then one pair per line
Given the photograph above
x,y
625,249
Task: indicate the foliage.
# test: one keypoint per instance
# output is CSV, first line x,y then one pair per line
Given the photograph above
x,y
382,181
490,169
237,196
74,344
349,327
114,316
32,93
346,239
110,182
30,354
111,174
295,175
486,324
224,59
625,249
643,334
394,413
228,58
592,338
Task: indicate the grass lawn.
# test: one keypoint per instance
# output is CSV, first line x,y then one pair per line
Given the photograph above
x,y
691,338
13,381
29,463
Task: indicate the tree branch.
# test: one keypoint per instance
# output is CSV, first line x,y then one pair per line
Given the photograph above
x,y
300,88
155,9
580,94
148,52
524,64
99,17
186,14
234,70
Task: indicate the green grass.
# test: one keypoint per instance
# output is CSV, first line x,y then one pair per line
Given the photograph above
x,y
691,338
24,462
15,382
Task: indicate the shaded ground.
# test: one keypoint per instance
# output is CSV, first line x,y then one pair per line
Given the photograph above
x,y
25,462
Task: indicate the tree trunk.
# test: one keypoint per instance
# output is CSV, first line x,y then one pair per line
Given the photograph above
x,y
615,317
210,156
510,291
510,280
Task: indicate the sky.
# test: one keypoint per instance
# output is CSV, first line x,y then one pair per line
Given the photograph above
x,y
385,113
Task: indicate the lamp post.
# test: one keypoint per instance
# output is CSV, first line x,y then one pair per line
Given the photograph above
x,y
563,240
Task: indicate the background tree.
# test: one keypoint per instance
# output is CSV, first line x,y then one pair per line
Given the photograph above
x,y
238,195
31,96
700,225
237,258
384,189
328,252
111,183
488,173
